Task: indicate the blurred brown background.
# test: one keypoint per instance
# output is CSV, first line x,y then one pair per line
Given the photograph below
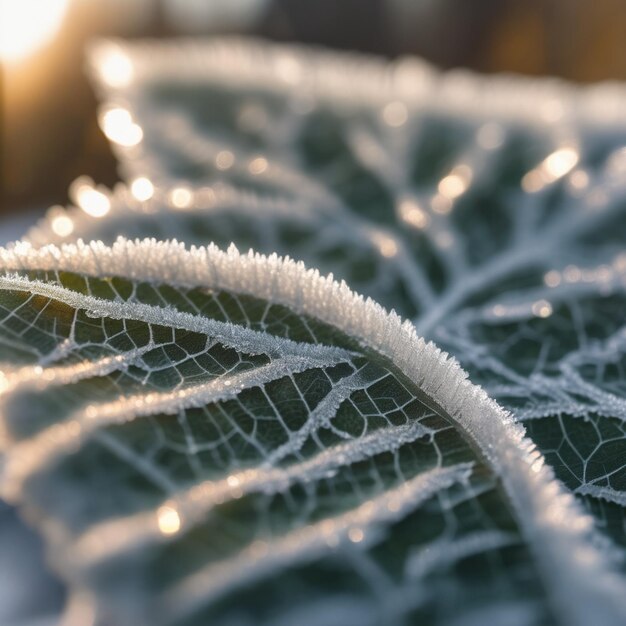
x,y
49,133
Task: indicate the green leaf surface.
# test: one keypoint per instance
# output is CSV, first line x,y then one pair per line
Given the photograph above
x,y
205,437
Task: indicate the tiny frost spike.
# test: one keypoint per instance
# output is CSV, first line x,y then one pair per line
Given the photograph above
x,y
578,575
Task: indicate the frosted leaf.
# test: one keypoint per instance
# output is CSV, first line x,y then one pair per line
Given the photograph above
x,y
491,211
205,437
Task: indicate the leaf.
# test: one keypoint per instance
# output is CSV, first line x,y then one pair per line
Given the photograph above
x,y
267,447
488,210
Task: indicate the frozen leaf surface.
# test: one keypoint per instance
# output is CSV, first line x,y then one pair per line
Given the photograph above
x,y
205,437
492,212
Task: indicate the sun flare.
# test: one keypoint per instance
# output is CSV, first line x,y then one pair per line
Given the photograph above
x,y
26,25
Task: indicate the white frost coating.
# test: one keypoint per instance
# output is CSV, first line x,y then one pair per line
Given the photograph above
x,y
109,539
244,339
306,543
42,378
239,61
320,416
604,493
24,458
582,585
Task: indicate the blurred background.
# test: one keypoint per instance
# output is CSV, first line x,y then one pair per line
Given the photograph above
x,y
49,134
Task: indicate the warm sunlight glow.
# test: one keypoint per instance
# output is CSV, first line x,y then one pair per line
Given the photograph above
x,y
168,520
60,222
142,189
560,162
456,183
413,214
553,167
258,166
91,200
118,125
115,68
181,197
386,245
26,25
62,225
542,308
